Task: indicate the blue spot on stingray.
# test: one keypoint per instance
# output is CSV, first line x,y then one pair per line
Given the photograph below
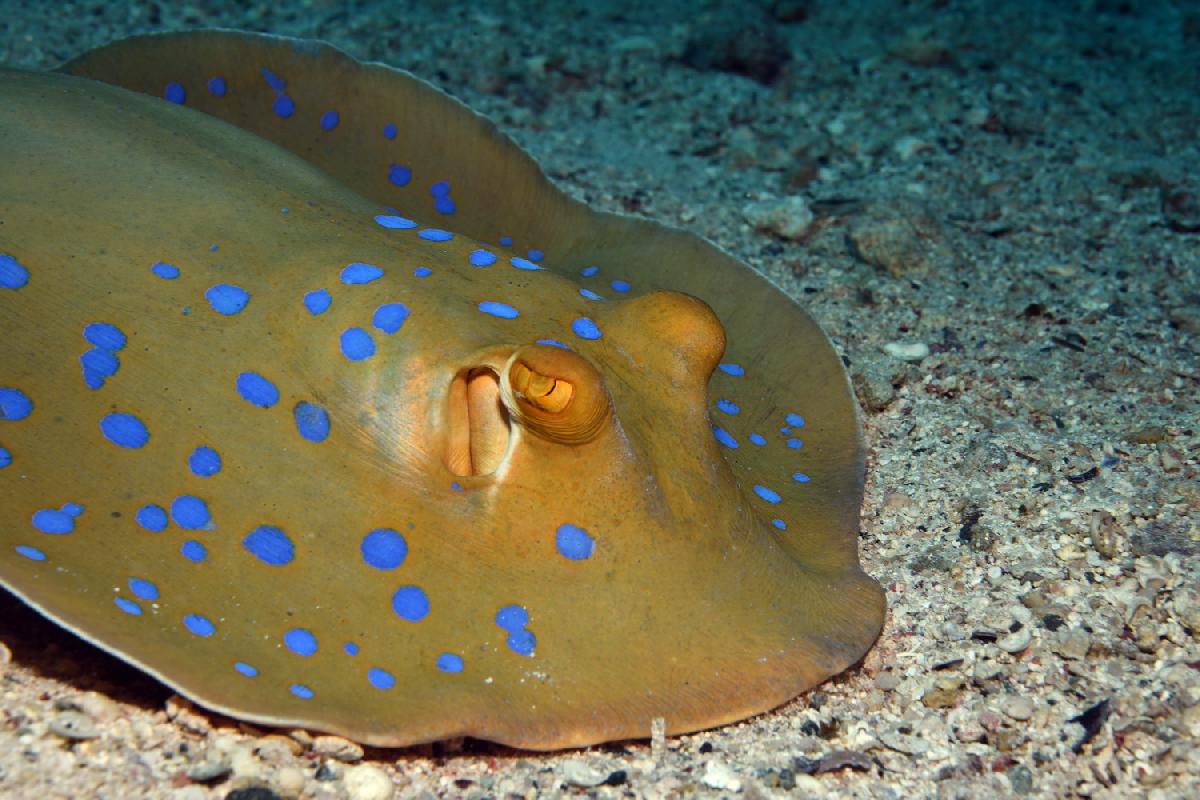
x,y
421,272
105,336
193,550
731,369
204,461
585,328
554,343
389,130
506,240
350,648
312,421
14,404
32,553
522,642
283,106
410,603
439,188
97,365
226,298
795,420
573,542
728,406
523,263
358,273
399,174
435,234
780,524
245,669
800,477
357,344
588,272
769,495
444,205
384,548
217,86
784,429
512,618
127,605
5,457
482,258
795,443
212,248
300,641
301,691
620,286
54,521
270,545
329,120
725,437
151,517
535,255
73,509
143,588
394,222
758,439
174,92
502,310
450,662
389,317
256,389
317,301
190,512
199,624
274,81
590,295
124,430
13,274
162,269
381,678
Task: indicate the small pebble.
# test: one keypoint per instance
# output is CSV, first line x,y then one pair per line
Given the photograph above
x,y
337,748
74,725
208,770
887,681
92,704
718,775
903,743
1017,707
907,351
244,764
1073,644
788,217
368,782
252,793
578,772
290,781
1015,642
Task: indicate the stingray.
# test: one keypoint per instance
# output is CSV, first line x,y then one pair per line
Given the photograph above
x,y
320,404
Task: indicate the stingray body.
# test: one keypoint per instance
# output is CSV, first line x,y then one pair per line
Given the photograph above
x,y
320,404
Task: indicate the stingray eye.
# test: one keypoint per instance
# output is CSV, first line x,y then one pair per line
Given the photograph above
x,y
543,391
556,394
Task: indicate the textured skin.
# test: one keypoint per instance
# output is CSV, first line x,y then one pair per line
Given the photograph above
x,y
690,605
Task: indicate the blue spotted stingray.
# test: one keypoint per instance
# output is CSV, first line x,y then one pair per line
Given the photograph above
x,y
320,404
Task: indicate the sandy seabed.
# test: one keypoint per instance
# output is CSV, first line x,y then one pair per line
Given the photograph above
x,y
994,211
